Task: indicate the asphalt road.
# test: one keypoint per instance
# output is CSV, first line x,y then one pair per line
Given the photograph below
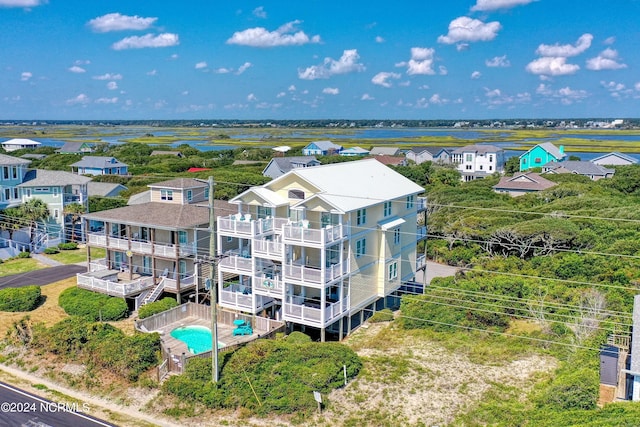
x,y
43,276
20,408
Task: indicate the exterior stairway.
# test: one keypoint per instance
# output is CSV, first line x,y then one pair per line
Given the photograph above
x,y
154,294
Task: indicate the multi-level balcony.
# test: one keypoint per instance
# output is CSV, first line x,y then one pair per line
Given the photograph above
x,y
268,249
314,276
110,282
243,226
269,285
143,247
234,262
300,234
309,312
421,233
240,297
422,204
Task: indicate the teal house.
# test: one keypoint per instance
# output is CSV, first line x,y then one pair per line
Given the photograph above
x,y
540,155
12,172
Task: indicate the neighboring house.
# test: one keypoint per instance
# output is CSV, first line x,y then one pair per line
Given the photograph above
x,y
522,183
76,148
588,169
354,151
99,165
280,165
57,189
321,148
614,159
391,160
139,198
478,161
167,153
150,247
104,189
33,156
385,151
18,144
12,172
420,155
540,155
321,247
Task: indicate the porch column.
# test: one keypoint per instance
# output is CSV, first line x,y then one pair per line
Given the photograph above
x,y
129,258
341,325
86,221
322,334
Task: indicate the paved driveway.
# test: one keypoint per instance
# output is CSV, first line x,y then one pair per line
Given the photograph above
x,y
43,276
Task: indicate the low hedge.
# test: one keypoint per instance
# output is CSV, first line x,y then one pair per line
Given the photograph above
x,y
51,251
156,307
25,298
69,246
92,305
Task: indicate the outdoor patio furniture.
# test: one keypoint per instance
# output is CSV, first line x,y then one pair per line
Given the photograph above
x,y
242,327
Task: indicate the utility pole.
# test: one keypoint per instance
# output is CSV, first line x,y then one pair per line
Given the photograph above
x,y
213,273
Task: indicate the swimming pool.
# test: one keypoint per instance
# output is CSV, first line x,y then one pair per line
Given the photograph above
x,y
197,338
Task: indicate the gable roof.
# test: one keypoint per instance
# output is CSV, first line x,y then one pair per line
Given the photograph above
x,y
384,151
578,166
21,141
355,150
390,160
74,147
34,156
323,145
549,148
180,183
166,153
285,164
103,189
615,154
98,162
477,148
10,160
157,214
524,181
433,150
47,178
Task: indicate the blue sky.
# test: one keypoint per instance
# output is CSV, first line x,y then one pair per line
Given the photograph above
x,y
475,59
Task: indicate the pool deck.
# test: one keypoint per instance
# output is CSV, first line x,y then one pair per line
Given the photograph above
x,y
225,335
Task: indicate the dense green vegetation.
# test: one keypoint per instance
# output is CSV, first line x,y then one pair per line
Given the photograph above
x,y
100,345
92,305
25,298
156,307
267,376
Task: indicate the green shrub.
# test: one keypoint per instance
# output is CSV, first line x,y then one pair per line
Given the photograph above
x,y
51,251
92,305
24,254
575,389
25,298
297,337
385,315
156,307
69,246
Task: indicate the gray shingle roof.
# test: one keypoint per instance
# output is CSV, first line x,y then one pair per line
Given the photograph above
x,y
325,145
180,183
617,154
10,160
156,214
553,150
98,162
103,188
477,148
45,178
580,167
72,147
285,164
527,181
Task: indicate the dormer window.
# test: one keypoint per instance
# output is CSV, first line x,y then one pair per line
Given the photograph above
x,y
296,194
166,195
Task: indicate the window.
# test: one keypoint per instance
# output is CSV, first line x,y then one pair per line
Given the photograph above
x,y
393,271
182,268
182,237
28,192
410,201
166,194
5,172
538,160
55,191
490,168
361,216
469,158
387,208
264,212
296,194
396,236
524,161
206,193
189,195
15,193
14,170
468,167
491,157
7,193
481,166
56,213
361,247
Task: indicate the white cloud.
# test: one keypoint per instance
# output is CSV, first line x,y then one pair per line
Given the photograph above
x,y
291,88
606,60
488,5
21,3
462,46
381,79
583,43
251,97
118,22
26,75
152,72
244,67
148,40
81,99
421,61
347,63
436,99
366,97
174,57
259,12
112,85
82,62
106,100
498,61
637,86
565,95
495,98
379,39
551,66
281,95
609,40
201,65
108,76
184,93
283,36
465,29
476,75
442,70
423,87
77,70
331,90
223,70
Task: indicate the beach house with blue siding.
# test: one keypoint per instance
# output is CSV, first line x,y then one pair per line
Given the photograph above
x,y
12,172
99,165
321,148
540,155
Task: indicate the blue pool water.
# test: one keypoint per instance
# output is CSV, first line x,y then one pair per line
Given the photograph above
x,y
197,338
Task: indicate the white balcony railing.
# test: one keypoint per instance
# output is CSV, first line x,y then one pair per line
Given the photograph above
x,y
422,204
310,313
144,247
268,248
118,289
98,265
313,275
268,286
299,234
421,232
235,263
185,283
242,299
421,261
242,225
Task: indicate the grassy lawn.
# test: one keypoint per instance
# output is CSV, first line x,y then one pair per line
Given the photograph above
x,y
19,265
77,255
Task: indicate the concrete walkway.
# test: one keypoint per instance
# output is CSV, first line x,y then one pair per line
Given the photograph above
x,y
45,260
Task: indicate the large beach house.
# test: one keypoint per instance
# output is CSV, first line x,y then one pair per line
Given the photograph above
x,y
321,247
